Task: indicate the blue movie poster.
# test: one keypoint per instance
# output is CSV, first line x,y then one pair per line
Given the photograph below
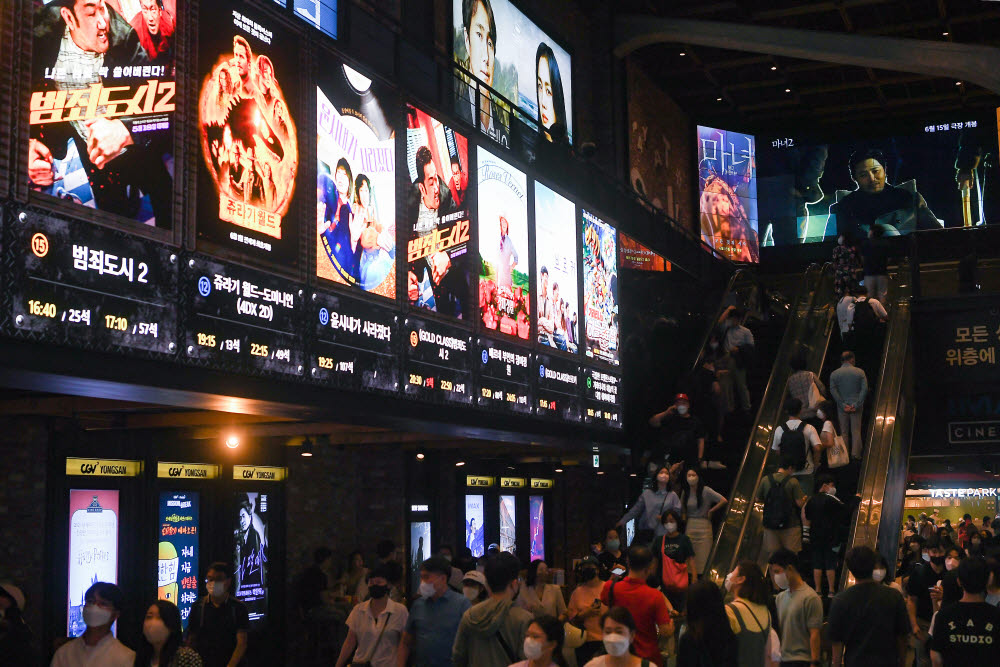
x,y
177,574
727,190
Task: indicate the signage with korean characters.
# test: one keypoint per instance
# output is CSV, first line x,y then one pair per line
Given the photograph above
x,y
243,316
558,393
602,404
512,482
504,379
81,284
356,345
437,362
478,481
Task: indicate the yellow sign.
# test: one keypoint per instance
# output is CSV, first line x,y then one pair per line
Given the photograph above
x,y
169,470
512,482
103,467
260,473
542,483
472,480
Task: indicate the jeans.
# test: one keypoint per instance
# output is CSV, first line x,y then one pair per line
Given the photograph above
x,y
850,425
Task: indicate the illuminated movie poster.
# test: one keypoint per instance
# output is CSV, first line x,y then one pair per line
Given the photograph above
x,y
503,247
420,550
600,289
102,106
474,533
634,255
536,524
629,532
177,571
437,217
508,524
555,255
251,563
356,182
93,549
502,48
727,189
249,145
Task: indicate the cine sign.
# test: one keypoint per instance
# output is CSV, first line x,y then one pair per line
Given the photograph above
x,y
259,473
169,470
472,480
103,467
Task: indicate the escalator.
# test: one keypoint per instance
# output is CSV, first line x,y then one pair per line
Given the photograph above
x,y
809,327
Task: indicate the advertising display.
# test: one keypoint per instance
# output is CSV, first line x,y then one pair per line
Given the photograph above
x,y
437,222
727,191
246,114
505,263
356,343
177,572
556,298
504,49
356,181
438,362
600,289
558,388
320,13
420,550
250,554
602,398
634,255
101,111
474,532
536,525
93,549
508,524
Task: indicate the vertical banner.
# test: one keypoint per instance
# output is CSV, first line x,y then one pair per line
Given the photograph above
x,y
249,145
177,572
250,554
600,288
508,524
420,550
505,263
437,219
727,190
556,282
536,524
356,181
93,549
101,111
474,534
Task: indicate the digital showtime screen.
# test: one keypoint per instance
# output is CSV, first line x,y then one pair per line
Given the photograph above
x,y
93,549
727,191
557,300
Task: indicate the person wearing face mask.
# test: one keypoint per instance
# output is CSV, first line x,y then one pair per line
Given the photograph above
x,y
649,608
619,631
585,607
218,624
949,590
911,557
456,576
699,504
827,517
612,556
749,616
677,560
102,605
708,640
374,627
993,583
681,434
540,597
16,642
543,643
434,618
650,507
923,577
491,634
800,612
868,623
967,632
160,645
474,586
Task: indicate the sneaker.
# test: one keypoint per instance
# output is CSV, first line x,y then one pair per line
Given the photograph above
x,y
716,465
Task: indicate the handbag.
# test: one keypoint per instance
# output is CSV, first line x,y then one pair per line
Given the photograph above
x,y
838,456
368,662
674,575
815,397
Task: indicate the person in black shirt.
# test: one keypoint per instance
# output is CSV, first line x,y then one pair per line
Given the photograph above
x,y
218,624
951,592
923,577
826,515
682,435
967,632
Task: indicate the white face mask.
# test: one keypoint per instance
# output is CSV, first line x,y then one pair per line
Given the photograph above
x,y
427,589
821,414
692,481
781,580
217,589
682,409
993,599
926,557
616,645
670,526
878,575
95,616
729,582
950,564
155,631
470,592
532,648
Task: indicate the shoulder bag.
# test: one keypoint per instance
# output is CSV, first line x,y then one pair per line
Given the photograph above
x,y
838,456
368,662
674,575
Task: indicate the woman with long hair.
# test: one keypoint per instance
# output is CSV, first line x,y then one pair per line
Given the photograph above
x,y
699,503
354,576
160,645
709,641
539,596
748,614
543,643
549,95
674,545
648,510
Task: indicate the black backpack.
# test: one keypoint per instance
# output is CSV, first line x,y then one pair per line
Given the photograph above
x,y
779,509
793,446
864,316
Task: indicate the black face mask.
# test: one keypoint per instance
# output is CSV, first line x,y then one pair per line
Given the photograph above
x,y
588,573
937,560
378,592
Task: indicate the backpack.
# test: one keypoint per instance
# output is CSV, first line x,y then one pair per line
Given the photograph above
x,y
778,506
793,446
864,317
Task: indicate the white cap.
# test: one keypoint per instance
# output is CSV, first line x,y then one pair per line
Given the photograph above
x,y
477,577
15,592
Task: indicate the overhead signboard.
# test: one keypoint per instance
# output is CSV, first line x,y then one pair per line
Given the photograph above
x,y
504,378
476,480
559,386
174,470
248,473
537,483
512,483
356,344
438,362
103,467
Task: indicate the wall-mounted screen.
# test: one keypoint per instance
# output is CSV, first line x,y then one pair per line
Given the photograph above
x,y
437,222
246,113
102,103
727,191
505,50
600,288
474,533
508,524
636,256
629,532
356,181
251,564
177,568
505,262
321,13
93,549
420,550
556,299
536,525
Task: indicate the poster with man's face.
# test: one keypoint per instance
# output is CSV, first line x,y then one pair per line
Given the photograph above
x,y
356,182
101,108
251,562
437,217
474,534
249,146
555,254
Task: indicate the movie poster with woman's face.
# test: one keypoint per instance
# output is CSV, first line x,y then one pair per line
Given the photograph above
x,y
356,182
504,301
600,288
249,145
555,282
438,258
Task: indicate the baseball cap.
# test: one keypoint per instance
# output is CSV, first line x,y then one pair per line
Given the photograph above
x,y
682,397
477,577
14,593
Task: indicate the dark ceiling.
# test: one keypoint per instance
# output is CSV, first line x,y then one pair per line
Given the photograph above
x,y
768,92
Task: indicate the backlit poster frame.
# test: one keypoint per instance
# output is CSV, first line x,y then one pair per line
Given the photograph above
x,y
420,550
251,553
94,522
178,550
474,519
507,511
536,527
602,334
556,271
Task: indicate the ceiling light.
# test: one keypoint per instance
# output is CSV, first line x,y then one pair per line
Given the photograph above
x,y
232,442
420,456
600,472
774,68
358,81
944,34
683,54
558,469
958,83
460,464
633,475
788,90
307,447
718,99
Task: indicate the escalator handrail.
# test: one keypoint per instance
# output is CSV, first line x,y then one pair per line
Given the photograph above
x,y
738,274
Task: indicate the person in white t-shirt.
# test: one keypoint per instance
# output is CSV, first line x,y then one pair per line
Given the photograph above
x,y
375,626
97,647
812,444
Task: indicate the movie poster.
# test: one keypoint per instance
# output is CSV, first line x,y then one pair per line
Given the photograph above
x,y
439,264
508,524
555,254
249,146
474,533
505,50
420,550
629,532
636,256
251,563
600,289
101,111
505,263
177,572
356,182
93,549
536,524
727,190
